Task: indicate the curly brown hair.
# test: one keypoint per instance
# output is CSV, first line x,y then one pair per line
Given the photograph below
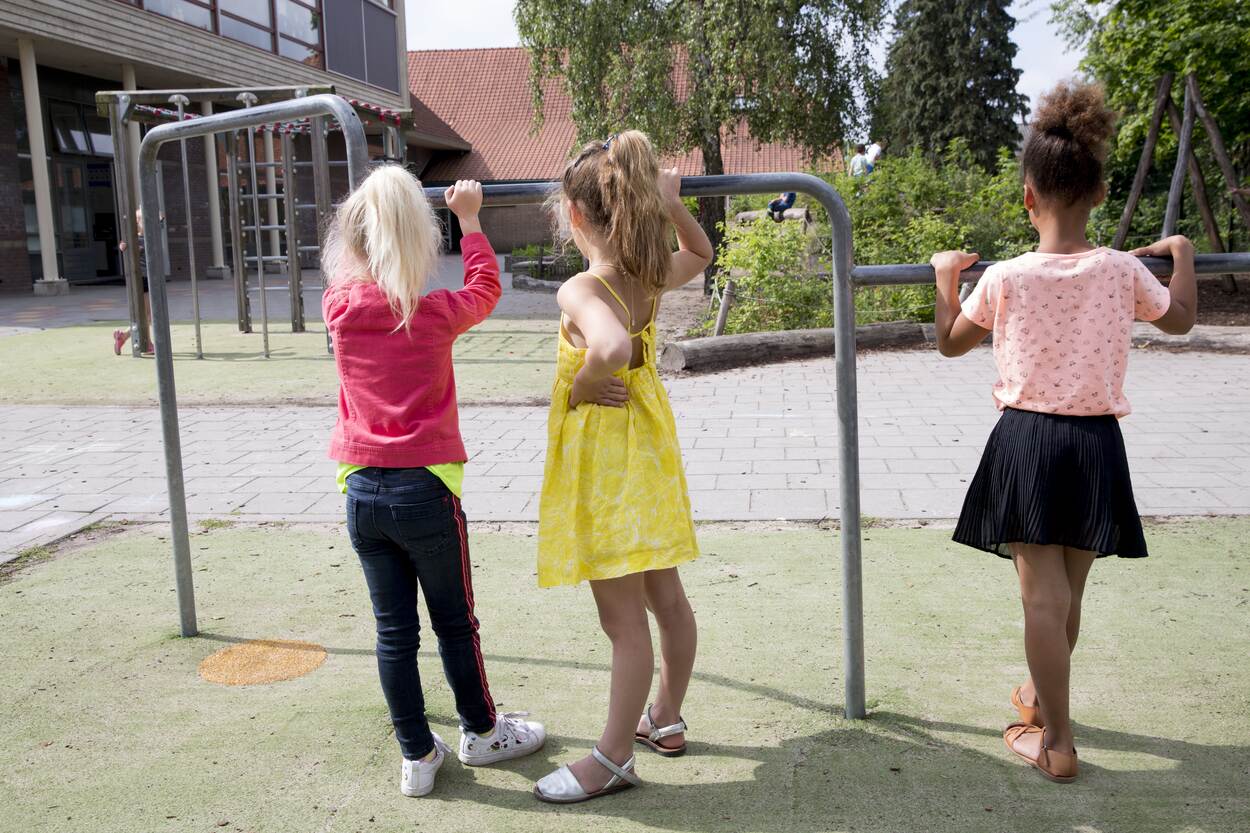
x,y
1067,144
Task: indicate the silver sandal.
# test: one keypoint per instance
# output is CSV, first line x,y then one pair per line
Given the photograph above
x,y
562,786
651,741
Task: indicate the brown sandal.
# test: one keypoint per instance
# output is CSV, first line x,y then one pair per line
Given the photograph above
x,y
1031,715
1060,767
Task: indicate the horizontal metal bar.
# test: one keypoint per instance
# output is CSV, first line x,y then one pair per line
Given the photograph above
x,y
312,248
217,95
248,197
268,258
306,163
278,227
899,274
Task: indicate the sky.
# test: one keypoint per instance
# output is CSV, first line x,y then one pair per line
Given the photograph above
x,y
435,24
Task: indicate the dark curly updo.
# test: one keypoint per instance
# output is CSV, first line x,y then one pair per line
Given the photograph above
x,y
1066,147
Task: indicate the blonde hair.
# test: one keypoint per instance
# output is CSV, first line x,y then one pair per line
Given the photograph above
x,y
385,233
613,185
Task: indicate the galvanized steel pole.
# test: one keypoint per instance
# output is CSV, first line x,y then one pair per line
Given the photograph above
x,y
182,101
358,158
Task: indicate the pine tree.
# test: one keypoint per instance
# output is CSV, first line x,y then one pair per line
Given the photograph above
x,y
950,73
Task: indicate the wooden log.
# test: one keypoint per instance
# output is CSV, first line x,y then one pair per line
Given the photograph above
x,y
1200,196
752,348
800,214
1217,145
1162,93
1177,189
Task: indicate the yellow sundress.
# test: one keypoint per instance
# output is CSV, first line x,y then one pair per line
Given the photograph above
x,y
614,498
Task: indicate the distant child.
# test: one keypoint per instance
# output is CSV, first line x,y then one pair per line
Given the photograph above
x,y
120,337
614,507
874,153
777,208
859,162
401,459
1053,491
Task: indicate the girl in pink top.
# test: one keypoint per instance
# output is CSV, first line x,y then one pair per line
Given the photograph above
x,y
397,442
1053,490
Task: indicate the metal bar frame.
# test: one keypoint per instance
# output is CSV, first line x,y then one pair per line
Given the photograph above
x,y
358,159
294,276
181,101
845,278
238,267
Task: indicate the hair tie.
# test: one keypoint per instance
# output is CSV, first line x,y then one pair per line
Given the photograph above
x,y
608,143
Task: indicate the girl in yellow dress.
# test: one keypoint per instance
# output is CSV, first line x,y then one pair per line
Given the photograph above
x,y
614,507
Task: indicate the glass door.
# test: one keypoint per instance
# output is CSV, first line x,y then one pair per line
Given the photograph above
x,y
78,257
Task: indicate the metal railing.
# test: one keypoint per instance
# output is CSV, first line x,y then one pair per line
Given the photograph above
x,y
357,167
845,278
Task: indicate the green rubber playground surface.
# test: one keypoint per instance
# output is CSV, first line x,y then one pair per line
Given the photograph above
x,y
509,361
106,726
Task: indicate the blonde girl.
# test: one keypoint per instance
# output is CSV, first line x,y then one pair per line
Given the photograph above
x,y
614,509
401,459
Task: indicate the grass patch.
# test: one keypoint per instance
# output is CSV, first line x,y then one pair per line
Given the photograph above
x,y
211,524
510,360
93,673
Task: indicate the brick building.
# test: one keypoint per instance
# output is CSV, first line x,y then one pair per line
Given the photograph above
x,y
482,97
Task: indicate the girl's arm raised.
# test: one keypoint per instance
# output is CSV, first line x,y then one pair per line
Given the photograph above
x,y
608,346
956,335
1183,288
471,305
694,250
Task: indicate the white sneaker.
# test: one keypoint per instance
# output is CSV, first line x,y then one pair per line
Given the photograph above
x,y
513,738
418,776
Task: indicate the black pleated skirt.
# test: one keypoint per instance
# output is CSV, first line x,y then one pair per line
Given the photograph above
x,y
1052,479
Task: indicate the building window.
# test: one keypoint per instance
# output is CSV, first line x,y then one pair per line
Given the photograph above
x,y
291,28
196,13
67,127
362,41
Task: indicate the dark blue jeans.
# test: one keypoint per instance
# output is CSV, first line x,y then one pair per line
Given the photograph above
x,y
409,531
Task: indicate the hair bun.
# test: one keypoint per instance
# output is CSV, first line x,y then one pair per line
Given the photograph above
x,y
1077,111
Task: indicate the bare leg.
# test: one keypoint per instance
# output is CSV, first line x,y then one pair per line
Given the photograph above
x,y
623,616
1077,563
1047,600
679,637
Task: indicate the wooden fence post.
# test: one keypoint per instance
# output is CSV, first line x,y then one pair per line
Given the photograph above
x,y
1143,165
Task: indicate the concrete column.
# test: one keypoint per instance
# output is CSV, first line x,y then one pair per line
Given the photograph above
x,y
218,263
129,83
271,187
51,283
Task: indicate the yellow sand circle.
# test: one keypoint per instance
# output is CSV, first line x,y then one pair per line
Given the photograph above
x,y
260,661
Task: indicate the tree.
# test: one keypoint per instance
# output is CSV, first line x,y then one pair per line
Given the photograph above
x,y
692,72
950,74
1128,45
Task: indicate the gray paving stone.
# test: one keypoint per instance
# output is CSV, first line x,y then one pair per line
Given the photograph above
x,y
744,433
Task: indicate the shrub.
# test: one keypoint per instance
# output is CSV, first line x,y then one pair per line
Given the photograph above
x,y
905,211
774,289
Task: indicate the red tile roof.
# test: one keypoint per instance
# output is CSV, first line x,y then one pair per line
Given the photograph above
x,y
483,96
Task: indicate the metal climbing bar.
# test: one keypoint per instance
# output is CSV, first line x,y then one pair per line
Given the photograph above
x,y
846,277
228,122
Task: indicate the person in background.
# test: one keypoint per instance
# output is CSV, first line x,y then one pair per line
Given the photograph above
x,y
873,153
778,207
120,336
859,162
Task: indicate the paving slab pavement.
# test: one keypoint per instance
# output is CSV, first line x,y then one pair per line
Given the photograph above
x,y
759,444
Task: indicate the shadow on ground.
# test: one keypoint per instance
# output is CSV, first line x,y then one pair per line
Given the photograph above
x,y
93,673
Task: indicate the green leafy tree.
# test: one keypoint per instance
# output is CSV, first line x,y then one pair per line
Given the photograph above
x,y
1128,45
950,73
692,72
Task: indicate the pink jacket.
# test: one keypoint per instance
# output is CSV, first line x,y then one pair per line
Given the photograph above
x,y
397,390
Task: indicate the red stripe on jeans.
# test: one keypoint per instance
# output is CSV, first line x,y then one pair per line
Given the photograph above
x,y
466,571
